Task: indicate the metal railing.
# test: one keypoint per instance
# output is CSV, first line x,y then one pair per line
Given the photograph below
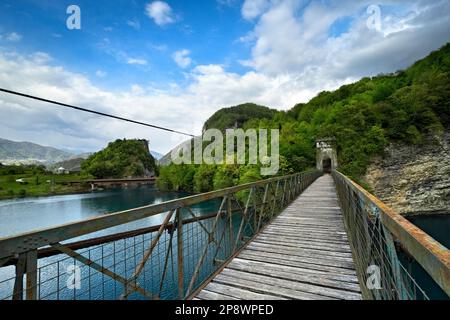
x,y
377,234
109,257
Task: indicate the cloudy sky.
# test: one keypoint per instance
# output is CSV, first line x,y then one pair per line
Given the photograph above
x,y
174,63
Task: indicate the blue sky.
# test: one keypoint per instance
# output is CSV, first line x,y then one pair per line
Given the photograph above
x,y
112,34
174,63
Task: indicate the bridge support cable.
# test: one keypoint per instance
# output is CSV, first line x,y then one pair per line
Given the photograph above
x,y
65,105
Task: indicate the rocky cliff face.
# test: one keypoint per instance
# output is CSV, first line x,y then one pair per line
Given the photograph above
x,y
414,179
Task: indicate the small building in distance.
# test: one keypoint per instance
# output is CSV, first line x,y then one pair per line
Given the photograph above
x,y
62,170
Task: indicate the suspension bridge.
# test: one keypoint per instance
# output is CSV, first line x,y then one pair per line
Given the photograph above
x,y
309,235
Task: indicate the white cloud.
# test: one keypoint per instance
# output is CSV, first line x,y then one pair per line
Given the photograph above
x,y
182,58
117,53
41,57
135,24
254,8
141,62
100,73
227,3
159,47
137,89
292,38
160,12
13,37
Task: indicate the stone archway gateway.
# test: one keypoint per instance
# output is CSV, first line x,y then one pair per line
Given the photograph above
x,y
326,156
326,165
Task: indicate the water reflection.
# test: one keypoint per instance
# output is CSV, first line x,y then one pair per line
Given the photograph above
x,y
24,215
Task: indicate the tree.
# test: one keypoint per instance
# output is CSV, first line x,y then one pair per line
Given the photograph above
x,y
121,158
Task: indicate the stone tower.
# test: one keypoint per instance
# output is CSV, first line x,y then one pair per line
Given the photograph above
x,y
326,156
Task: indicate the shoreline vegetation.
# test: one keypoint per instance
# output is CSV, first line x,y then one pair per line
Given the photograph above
x,y
120,159
33,181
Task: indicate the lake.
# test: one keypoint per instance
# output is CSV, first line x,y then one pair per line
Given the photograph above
x,y
24,215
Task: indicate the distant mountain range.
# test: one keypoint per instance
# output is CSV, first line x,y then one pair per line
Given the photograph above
x,y
14,152
27,152
156,155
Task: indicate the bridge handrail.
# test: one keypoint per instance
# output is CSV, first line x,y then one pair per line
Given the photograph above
x,y
255,203
14,245
429,253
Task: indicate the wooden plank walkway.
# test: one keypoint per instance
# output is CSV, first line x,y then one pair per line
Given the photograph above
x,y
303,254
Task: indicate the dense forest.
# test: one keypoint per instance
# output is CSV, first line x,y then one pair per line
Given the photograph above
x,y
237,116
364,117
120,159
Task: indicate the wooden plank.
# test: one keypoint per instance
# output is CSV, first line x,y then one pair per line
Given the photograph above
x,y
326,230
287,224
300,234
286,288
299,264
306,232
265,287
209,295
297,281
302,240
239,293
303,256
319,261
243,264
301,252
308,227
306,245
291,239
320,239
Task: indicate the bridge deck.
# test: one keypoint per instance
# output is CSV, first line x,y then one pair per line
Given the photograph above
x,y
302,254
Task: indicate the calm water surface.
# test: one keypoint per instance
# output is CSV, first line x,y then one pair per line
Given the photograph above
x,y
23,215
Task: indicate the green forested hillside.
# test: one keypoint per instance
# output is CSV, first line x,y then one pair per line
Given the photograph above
x,y
238,115
121,158
364,117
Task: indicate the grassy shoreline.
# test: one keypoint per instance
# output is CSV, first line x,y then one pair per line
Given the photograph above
x,y
35,185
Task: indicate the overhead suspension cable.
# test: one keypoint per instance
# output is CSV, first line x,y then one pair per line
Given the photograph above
x,y
93,111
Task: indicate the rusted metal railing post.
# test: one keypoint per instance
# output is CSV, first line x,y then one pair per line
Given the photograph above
x,y
31,284
18,282
230,217
263,205
180,253
26,266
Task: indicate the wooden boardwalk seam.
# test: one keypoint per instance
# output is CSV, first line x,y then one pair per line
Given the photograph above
x,y
303,254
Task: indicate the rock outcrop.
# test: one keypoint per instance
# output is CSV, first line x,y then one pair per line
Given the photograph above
x,y
414,179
